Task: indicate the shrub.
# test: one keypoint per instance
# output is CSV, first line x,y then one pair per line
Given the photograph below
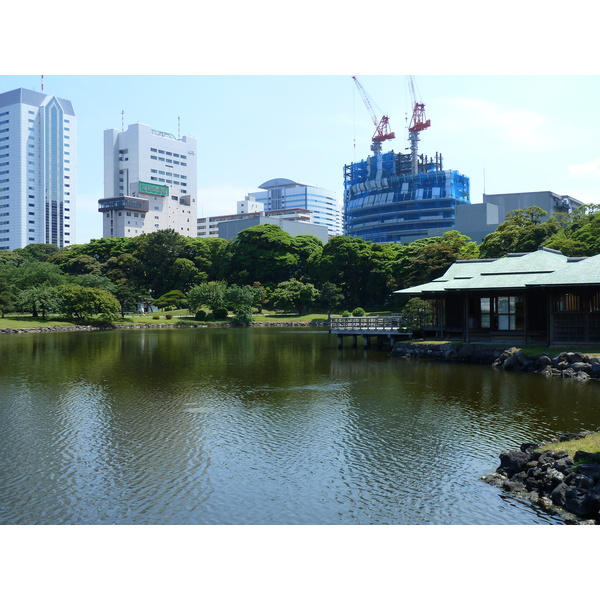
x,y
220,313
200,315
156,316
346,313
358,312
168,317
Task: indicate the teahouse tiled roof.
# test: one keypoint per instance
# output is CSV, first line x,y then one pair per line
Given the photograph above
x,y
514,271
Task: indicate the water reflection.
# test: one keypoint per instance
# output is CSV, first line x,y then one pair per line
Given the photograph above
x,y
259,426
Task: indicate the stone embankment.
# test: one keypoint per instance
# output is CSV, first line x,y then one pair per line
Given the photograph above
x,y
581,367
452,352
154,325
553,480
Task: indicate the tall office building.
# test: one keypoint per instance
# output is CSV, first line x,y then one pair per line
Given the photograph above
x,y
387,199
38,170
280,194
149,182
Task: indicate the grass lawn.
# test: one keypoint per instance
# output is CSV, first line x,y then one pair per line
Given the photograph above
x,y
24,322
590,443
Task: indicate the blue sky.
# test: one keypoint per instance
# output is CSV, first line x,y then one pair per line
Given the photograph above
x,y
507,133
512,94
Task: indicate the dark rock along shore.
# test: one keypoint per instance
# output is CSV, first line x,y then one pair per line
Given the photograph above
x,y
553,480
566,364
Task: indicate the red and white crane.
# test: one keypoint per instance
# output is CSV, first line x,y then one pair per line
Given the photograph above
x,y
382,126
418,123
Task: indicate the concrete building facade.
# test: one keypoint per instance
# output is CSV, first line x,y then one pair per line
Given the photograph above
x,y
230,228
38,170
478,220
149,182
209,226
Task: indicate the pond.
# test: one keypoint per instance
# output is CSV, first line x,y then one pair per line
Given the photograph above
x,y
262,426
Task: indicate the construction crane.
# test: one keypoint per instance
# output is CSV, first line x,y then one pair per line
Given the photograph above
x,y
382,126
417,124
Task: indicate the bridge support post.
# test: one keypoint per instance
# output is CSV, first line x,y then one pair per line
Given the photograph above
x,y
340,341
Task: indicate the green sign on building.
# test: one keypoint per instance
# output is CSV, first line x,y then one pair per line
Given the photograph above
x,y
152,188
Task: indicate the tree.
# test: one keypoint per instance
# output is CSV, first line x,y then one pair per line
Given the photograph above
x,y
211,294
417,314
208,255
157,252
172,299
84,303
578,233
523,231
430,258
346,262
40,252
8,297
263,253
331,297
185,274
241,299
36,299
294,295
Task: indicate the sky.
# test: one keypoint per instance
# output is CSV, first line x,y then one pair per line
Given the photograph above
x,y
506,133
268,96
512,91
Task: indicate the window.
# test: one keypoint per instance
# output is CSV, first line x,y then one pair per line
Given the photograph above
x,y
485,311
567,303
510,313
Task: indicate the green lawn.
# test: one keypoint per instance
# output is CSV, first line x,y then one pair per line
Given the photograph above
x,y
591,443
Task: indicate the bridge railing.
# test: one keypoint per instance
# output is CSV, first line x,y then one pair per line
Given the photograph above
x,y
342,324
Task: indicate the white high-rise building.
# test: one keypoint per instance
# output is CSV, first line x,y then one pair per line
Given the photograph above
x,y
38,170
149,182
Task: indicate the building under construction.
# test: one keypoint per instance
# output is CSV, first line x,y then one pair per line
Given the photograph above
x,y
395,197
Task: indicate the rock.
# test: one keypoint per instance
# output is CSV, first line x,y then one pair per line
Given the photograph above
x,y
588,457
513,486
558,494
589,470
511,462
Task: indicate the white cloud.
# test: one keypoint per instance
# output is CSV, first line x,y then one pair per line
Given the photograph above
x,y
526,129
590,168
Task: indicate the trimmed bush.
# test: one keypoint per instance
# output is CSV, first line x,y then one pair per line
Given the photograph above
x,y
200,315
156,317
220,313
346,313
168,317
358,312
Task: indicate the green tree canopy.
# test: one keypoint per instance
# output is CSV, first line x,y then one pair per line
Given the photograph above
x,y
294,295
263,253
85,303
211,294
523,231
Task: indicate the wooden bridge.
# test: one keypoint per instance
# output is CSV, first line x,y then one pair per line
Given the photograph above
x,y
380,328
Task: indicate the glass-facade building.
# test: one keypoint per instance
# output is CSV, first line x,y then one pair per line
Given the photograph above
x,y
384,202
285,194
38,170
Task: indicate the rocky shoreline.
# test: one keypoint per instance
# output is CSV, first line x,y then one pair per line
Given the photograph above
x,y
572,365
569,487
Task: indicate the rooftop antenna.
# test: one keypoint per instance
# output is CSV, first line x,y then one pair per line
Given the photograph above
x,y
42,84
122,120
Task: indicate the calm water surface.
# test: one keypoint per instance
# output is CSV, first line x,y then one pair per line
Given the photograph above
x,y
233,426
